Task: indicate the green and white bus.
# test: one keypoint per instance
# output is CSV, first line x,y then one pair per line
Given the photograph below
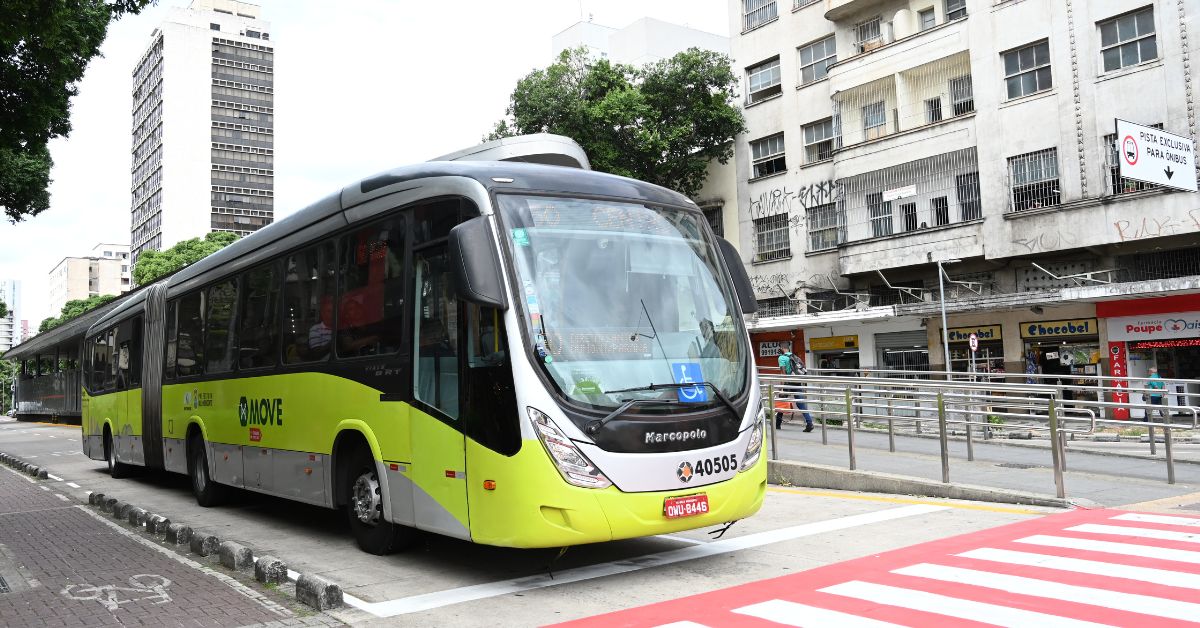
x,y
508,353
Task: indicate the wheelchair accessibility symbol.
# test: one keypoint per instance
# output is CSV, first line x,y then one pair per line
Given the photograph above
x,y
689,373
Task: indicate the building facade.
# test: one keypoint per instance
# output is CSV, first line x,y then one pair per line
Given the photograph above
x,y
106,270
10,330
203,126
888,136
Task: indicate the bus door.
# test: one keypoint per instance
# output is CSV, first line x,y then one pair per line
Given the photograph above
x,y
438,443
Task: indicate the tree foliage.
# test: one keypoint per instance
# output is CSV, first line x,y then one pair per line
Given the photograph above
x,y
74,308
8,374
662,123
3,308
154,264
46,46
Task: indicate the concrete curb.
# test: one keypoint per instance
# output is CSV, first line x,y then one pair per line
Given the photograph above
x,y
812,475
318,592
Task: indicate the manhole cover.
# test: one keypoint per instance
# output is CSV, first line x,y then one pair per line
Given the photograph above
x,y
4,586
1016,465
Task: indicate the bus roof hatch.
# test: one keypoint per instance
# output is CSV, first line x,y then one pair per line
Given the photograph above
x,y
538,148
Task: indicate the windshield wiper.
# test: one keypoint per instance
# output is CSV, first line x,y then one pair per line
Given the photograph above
x,y
595,426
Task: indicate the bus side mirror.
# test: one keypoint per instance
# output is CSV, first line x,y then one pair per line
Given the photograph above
x,y
477,277
737,272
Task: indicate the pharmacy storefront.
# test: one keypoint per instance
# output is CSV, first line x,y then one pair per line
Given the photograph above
x,y
1141,335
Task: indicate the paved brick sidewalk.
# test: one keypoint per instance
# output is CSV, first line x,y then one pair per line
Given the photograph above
x,y
64,566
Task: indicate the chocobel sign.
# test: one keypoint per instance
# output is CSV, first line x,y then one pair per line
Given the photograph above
x,y
1155,156
1154,326
1048,329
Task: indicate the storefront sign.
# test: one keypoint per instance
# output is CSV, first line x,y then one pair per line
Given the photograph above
x,y
984,332
1118,366
833,343
773,348
1055,329
1154,326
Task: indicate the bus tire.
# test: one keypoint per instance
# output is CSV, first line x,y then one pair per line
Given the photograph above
x,y
116,469
208,493
364,508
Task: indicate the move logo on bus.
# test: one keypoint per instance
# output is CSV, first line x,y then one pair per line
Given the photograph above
x,y
260,411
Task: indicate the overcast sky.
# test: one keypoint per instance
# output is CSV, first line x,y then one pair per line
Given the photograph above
x,y
361,86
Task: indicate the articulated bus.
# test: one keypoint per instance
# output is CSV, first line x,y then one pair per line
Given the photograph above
x,y
508,353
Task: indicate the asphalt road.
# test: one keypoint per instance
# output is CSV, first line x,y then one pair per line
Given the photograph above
x,y
447,582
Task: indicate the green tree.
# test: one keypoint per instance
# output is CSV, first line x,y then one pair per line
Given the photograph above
x,y
46,46
8,373
662,123
3,308
154,264
74,308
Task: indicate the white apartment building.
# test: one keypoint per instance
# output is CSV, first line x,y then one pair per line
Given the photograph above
x,y
106,270
888,135
203,126
10,330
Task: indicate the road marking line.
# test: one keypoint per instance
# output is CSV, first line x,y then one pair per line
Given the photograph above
x,y
680,539
61,496
1109,547
54,477
904,500
1143,518
1145,533
44,488
438,599
1131,602
1094,567
793,614
73,485
953,607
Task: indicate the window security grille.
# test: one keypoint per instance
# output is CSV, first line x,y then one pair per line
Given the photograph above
x,y
868,35
1033,180
755,13
776,306
881,215
819,140
771,241
826,227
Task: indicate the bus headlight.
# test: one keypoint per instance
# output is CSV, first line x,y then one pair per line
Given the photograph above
x,y
572,464
754,447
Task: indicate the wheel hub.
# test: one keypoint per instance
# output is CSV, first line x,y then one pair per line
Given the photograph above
x,y
365,498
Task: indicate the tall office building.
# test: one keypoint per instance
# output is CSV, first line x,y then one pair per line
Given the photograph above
x,y
203,126
10,333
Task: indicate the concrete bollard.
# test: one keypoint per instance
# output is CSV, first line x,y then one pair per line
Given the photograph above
x,y
235,556
95,499
178,534
107,504
318,592
204,544
43,474
134,514
157,525
270,570
120,510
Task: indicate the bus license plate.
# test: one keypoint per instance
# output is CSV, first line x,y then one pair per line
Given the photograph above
x,y
686,506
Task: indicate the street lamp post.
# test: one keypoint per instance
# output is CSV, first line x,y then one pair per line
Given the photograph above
x,y
942,295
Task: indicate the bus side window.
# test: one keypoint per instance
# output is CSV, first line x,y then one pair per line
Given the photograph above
x,y
258,337
219,330
135,353
490,413
172,327
189,347
110,349
435,368
308,292
371,304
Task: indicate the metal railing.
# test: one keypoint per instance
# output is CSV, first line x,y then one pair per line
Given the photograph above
x,y
1039,403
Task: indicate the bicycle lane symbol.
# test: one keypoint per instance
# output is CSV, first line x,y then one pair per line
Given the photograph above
x,y
149,587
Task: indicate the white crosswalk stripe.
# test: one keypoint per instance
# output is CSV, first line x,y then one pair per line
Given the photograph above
x,y
1132,602
1112,547
1094,567
952,607
793,614
1145,533
1167,519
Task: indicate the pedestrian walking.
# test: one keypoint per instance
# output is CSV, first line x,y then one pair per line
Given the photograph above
x,y
789,364
1157,386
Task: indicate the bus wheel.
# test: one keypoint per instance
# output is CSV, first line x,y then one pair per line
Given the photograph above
x,y
208,493
116,469
364,508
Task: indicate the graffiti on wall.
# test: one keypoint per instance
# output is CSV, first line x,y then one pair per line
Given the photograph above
x,y
783,200
1155,226
1047,241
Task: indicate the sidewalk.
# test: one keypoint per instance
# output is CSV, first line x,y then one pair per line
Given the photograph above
x,y
61,566
1103,478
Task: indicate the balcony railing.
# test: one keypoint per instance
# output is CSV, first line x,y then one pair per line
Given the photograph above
x,y
758,12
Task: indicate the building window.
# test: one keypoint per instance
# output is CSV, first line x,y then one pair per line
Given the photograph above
x,y
712,213
767,155
933,110
874,120
1033,180
940,208
775,306
868,35
825,228
908,213
816,58
214,27
1116,183
955,9
881,214
819,140
1027,70
967,186
755,13
962,95
1128,40
764,81
927,19
771,240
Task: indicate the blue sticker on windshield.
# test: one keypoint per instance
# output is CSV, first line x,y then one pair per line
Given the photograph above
x,y
689,373
520,237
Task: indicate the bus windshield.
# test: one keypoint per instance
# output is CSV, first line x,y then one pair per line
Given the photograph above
x,y
619,296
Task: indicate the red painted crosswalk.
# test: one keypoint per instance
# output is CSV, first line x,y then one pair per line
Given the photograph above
x,y
1075,569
